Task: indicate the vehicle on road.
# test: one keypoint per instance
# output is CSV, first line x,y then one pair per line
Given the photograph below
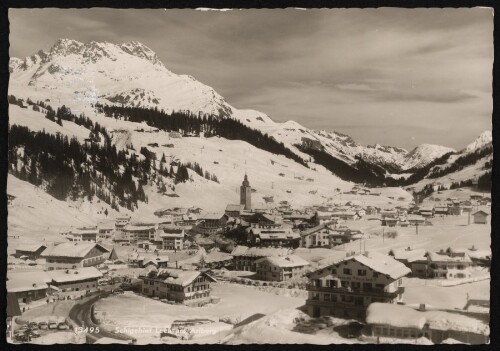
x,y
33,334
43,325
52,325
22,337
62,326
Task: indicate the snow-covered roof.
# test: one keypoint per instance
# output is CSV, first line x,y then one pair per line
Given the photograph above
x,y
106,225
180,276
322,214
234,207
415,218
29,247
214,216
72,249
316,228
285,261
404,316
437,257
380,263
25,281
138,228
394,315
259,251
85,230
284,235
70,275
409,255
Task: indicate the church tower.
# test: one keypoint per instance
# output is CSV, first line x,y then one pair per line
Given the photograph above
x,y
246,194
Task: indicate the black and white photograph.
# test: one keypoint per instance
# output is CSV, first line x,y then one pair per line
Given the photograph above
x,y
249,176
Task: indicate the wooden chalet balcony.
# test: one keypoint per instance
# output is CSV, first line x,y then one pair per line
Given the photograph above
x,y
364,292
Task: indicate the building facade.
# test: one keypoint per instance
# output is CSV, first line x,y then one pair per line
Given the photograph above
x,y
75,255
181,286
347,286
280,269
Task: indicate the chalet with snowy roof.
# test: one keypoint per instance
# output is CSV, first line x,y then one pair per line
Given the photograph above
x,y
244,257
29,251
348,215
28,286
317,236
480,217
83,234
172,238
146,245
414,220
105,230
182,286
442,265
272,235
415,259
158,262
82,279
322,217
390,222
234,210
276,268
404,322
345,286
72,255
427,211
212,223
441,210
121,222
139,231
389,213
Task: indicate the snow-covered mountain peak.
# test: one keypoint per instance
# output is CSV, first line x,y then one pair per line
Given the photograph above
x,y
485,138
424,154
140,50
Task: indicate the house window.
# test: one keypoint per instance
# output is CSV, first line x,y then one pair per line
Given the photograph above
x,y
362,272
326,297
347,271
344,283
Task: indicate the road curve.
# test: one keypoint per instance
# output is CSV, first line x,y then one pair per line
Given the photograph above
x,y
81,314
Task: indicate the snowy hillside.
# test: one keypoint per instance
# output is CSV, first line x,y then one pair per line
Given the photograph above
x,y
424,154
80,74
485,139
270,175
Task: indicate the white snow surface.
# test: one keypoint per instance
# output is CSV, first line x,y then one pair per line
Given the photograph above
x,y
79,74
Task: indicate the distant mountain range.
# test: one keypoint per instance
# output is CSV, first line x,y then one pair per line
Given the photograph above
x,y
81,75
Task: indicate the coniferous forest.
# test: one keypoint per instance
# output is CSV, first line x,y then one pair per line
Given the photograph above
x,y
191,124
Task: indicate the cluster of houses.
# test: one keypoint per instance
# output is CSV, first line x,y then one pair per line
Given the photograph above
x,y
369,287
445,264
70,267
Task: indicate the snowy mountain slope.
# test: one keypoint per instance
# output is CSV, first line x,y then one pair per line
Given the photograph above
x,y
484,139
424,154
269,174
35,214
37,122
466,164
128,73
80,74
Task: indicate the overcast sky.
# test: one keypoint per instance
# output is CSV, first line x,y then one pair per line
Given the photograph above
x,y
389,76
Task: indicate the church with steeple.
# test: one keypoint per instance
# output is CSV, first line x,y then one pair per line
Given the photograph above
x,y
246,194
